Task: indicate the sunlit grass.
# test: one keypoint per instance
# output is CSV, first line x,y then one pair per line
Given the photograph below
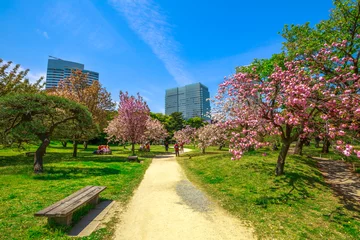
x,y
298,205
23,193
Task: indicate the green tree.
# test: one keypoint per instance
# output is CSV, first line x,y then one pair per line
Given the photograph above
x,y
29,117
177,121
304,42
15,80
196,122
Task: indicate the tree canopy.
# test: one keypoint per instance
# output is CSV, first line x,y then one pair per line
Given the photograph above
x,y
29,117
15,81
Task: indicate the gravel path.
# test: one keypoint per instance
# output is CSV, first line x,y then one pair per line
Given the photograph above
x,y
342,179
167,206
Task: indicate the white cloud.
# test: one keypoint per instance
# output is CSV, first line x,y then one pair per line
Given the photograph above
x,y
146,20
43,33
32,76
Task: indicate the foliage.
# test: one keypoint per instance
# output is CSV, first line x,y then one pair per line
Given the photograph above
x,y
196,122
287,102
211,135
177,121
303,41
155,131
185,135
130,123
165,120
94,96
27,117
283,104
15,81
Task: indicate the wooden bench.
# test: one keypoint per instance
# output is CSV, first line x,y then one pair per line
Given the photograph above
x,y
62,211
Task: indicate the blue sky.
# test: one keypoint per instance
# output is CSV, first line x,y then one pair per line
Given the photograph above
x,y
148,46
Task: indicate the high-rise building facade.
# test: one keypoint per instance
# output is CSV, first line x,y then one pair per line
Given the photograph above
x,y
59,69
190,100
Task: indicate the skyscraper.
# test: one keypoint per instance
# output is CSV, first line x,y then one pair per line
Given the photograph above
x,y
59,69
190,100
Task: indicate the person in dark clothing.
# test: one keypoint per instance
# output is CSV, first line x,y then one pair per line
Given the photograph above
x,y
176,148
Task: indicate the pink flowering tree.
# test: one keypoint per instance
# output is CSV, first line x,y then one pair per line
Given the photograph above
x,y
287,101
281,104
185,135
340,111
130,123
211,135
155,130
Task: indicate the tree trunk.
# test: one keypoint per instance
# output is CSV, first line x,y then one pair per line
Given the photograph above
x,y
317,142
299,146
326,145
220,147
133,148
203,150
75,145
38,157
85,144
281,158
64,144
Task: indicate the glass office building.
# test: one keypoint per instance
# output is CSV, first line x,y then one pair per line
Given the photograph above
x,y
59,69
190,100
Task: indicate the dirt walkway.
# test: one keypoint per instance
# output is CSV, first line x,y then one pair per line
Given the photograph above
x,y
341,177
168,206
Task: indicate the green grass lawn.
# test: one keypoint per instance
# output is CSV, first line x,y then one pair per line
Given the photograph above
x,y
22,193
298,205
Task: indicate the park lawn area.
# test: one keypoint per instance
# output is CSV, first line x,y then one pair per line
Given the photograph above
x,y
297,205
22,193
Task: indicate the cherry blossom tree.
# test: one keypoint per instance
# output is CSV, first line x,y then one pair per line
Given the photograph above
x,y
341,104
130,123
286,102
185,135
278,105
211,135
155,130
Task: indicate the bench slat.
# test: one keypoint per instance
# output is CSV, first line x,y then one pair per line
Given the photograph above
x,y
70,206
53,210
78,202
55,205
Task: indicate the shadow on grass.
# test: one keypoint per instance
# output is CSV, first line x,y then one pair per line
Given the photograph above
x,y
74,173
293,185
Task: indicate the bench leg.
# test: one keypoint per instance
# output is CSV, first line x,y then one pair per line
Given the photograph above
x,y
60,220
95,200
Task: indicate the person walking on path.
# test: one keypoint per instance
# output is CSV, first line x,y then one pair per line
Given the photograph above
x,y
182,147
176,147
166,144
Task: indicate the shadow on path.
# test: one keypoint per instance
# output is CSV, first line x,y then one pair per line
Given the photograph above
x,y
343,180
